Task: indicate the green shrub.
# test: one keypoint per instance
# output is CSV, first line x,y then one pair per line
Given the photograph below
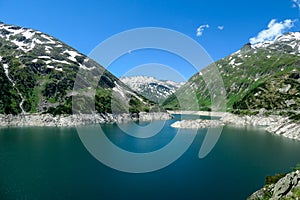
x,y
295,117
273,179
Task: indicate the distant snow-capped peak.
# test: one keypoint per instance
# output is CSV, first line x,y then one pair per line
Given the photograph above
x,y
151,88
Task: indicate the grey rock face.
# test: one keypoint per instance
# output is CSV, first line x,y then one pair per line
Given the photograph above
x,y
283,187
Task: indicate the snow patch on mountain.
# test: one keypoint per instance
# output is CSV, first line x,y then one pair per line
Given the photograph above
x,y
72,54
291,39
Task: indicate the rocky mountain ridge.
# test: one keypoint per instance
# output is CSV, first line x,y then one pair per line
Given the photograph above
x,y
38,72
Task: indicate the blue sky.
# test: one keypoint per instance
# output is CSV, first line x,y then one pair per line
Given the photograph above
x,y
84,24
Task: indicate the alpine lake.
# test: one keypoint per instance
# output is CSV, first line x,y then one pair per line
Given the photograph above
x,y
52,163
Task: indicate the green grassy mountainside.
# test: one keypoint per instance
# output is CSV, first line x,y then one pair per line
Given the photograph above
x,y
263,75
38,72
281,91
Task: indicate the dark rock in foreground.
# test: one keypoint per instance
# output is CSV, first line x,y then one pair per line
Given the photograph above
x,y
285,188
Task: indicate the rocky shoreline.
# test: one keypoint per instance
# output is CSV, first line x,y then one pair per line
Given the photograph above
x,y
274,124
202,113
196,124
252,120
76,120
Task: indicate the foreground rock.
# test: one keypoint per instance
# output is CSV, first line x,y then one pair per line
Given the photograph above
x,y
286,187
198,123
76,120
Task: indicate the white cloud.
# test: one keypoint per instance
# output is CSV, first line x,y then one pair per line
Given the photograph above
x,y
296,4
201,29
220,27
274,29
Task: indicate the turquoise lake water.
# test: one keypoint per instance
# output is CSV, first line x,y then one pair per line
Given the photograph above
x,y
52,163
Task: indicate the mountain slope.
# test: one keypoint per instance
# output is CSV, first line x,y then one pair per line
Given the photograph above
x,y
277,92
246,70
37,75
151,88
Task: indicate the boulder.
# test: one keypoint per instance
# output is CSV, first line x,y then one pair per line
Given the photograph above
x,y
283,188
